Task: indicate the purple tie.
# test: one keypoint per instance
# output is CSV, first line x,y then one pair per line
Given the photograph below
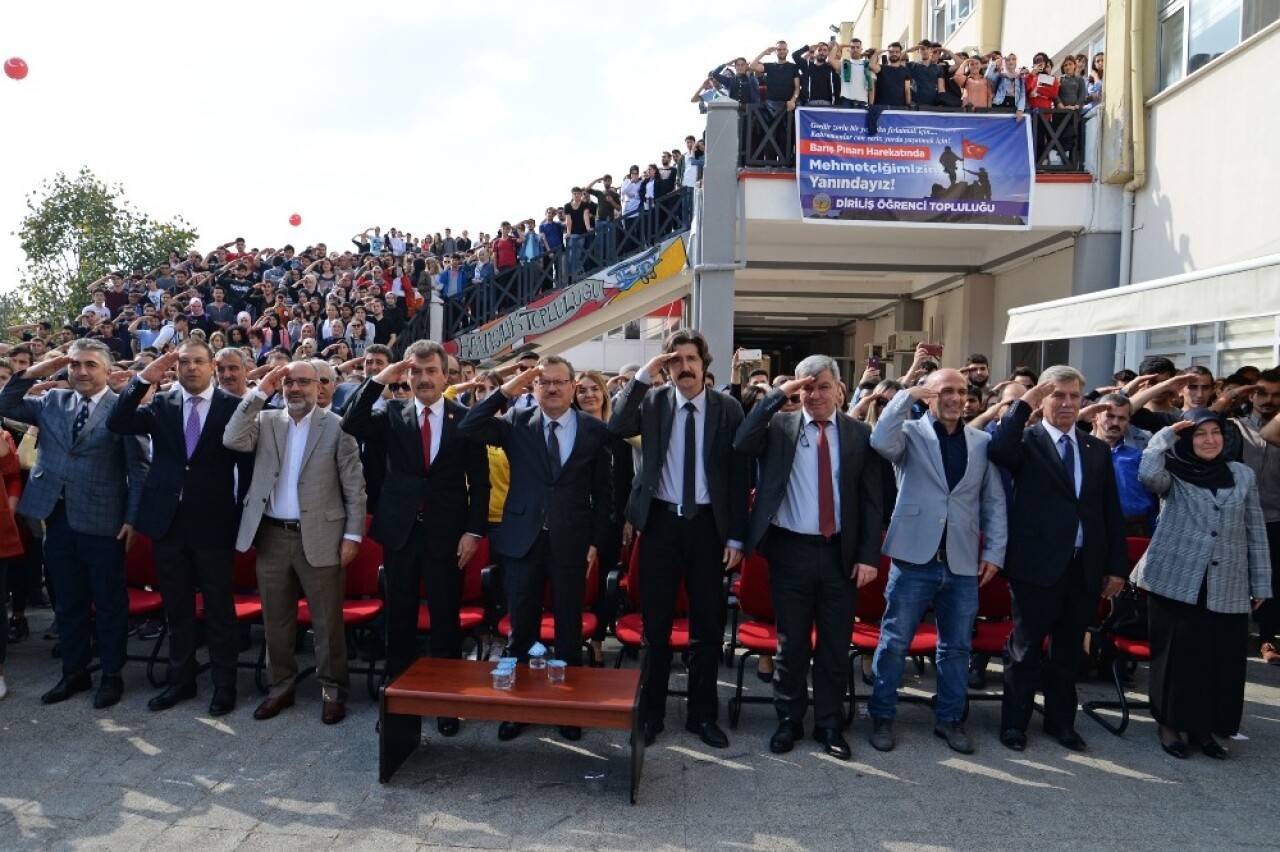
x,y
193,425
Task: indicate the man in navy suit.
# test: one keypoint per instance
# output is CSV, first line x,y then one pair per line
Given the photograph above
x,y
191,511
690,501
436,502
1066,531
86,486
556,517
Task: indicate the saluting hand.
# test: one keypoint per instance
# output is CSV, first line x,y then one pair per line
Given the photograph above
x,y
659,362
154,373
273,381
47,367
517,384
796,385
393,373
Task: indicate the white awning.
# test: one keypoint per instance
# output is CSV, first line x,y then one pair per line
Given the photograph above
x,y
1247,289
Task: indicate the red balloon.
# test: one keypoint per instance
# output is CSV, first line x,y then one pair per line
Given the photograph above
x,y
295,220
15,68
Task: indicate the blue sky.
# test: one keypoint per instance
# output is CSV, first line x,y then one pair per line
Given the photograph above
x,y
413,115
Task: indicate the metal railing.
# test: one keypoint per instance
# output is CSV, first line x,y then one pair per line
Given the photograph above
x,y
608,244
767,138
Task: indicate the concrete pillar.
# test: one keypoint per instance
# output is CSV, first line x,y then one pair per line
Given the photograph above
x,y
1095,266
713,277
436,316
978,299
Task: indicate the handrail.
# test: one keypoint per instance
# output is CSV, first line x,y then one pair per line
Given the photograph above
x,y
767,138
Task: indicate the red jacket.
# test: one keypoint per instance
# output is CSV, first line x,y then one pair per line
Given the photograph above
x,y
10,541
1040,96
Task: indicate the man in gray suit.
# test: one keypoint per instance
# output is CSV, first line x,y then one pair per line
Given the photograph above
x,y
948,492
305,514
86,486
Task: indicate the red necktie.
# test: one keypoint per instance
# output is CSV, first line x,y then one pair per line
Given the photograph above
x,y
426,439
826,494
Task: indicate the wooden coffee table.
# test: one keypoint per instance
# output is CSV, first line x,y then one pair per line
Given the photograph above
x,y
589,698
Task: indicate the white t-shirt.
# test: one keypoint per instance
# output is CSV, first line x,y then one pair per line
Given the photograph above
x,y
855,88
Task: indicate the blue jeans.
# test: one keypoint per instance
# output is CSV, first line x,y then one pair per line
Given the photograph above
x,y
575,246
955,606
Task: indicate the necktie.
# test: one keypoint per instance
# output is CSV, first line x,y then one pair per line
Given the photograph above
x,y
528,400
193,426
426,439
81,418
553,448
688,490
1067,450
826,492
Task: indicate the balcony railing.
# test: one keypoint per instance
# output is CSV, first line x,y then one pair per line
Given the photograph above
x,y
767,138
608,244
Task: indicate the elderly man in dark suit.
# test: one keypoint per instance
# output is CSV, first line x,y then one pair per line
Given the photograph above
x,y
816,519
556,518
690,503
191,511
86,486
436,506
1066,532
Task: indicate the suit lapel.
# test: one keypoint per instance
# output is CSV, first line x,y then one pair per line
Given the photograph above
x,y
1044,444
279,420
709,421
975,462
409,414
665,409
99,412
537,433
319,422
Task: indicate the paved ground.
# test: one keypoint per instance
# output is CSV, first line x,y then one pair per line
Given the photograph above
x,y
72,777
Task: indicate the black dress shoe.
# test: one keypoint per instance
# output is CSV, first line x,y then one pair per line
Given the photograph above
x,y
110,691
509,730
223,701
833,742
709,732
67,687
572,733
1176,748
448,726
1069,739
172,695
784,739
1012,738
1212,748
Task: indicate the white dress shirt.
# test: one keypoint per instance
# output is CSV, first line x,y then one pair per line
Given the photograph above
x,y
284,496
202,411
671,483
566,434
77,400
799,509
436,413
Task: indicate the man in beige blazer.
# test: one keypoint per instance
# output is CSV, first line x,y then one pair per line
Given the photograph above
x,y
305,514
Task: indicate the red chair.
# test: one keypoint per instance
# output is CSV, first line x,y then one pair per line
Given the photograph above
x,y
866,630
991,630
1126,652
756,636
473,614
630,627
144,600
547,626
362,603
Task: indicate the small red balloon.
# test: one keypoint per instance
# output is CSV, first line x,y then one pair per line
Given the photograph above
x,y
295,220
15,68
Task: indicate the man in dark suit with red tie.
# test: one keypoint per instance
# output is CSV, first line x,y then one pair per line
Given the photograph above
x,y
556,517
191,511
434,506
816,519
690,504
1066,533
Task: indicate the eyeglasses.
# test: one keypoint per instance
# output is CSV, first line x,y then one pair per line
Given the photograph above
x,y
794,399
400,387
302,383
551,383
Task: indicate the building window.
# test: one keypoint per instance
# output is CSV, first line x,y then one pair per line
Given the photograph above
x,y
1039,354
1193,33
946,16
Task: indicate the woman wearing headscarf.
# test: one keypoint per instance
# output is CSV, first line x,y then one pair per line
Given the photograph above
x,y
1207,562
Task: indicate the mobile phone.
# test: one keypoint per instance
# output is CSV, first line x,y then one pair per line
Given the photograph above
x,y
750,355
873,363
934,349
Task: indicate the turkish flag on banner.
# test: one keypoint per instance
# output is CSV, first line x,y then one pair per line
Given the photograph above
x,y
972,150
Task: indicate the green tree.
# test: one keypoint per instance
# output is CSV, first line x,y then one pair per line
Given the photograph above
x,y
78,229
